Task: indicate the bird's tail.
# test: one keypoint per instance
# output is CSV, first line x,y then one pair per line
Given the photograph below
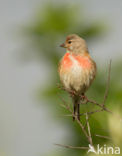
x,y
76,107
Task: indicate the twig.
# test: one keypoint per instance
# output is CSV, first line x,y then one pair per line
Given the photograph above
x,y
83,129
96,111
108,84
89,113
89,132
105,137
65,105
72,147
79,122
100,105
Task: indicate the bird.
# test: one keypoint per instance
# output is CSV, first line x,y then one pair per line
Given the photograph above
x,y
76,69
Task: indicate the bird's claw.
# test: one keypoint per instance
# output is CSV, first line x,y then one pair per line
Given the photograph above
x,y
84,98
72,93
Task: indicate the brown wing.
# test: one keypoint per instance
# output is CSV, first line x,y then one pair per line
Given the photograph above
x,y
94,69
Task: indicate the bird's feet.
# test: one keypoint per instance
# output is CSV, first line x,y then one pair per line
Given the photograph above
x,y
72,93
84,98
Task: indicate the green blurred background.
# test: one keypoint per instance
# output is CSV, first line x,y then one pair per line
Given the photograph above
x,y
31,116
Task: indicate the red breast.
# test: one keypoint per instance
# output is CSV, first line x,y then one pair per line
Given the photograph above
x,y
83,61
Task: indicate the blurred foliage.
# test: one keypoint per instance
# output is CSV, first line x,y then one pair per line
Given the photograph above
x,y
46,32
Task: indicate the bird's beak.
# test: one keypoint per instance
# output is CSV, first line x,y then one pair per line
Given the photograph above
x,y
63,45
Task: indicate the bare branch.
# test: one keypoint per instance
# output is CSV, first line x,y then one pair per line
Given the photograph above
x,y
89,132
79,122
105,137
82,127
89,113
100,105
96,111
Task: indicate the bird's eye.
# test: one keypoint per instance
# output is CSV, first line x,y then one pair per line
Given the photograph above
x,y
69,42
